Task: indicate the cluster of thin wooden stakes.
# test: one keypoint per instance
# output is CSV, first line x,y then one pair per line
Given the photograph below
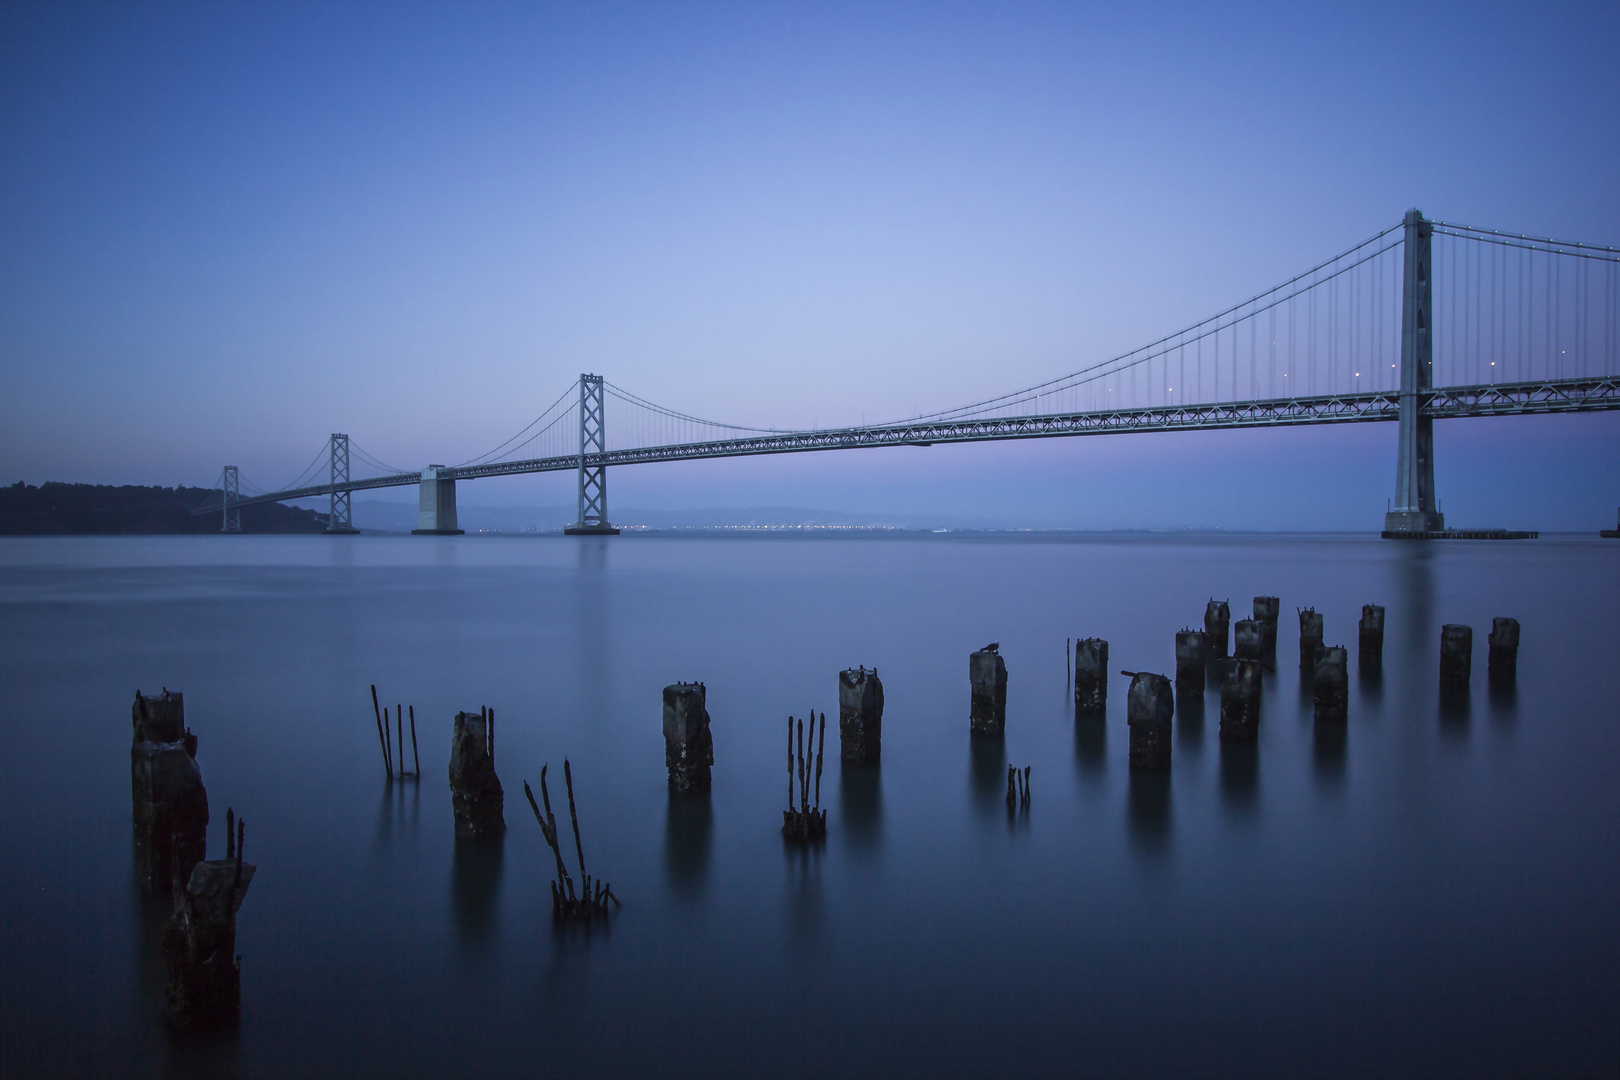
x,y
806,821
567,906
386,738
1017,788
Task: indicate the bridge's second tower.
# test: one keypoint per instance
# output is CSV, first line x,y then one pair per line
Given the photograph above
x,y
592,519
338,517
1414,509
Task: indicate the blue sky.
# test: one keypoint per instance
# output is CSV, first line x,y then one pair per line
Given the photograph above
x,y
227,230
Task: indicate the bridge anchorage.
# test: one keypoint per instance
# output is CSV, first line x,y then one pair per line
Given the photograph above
x,y
1425,321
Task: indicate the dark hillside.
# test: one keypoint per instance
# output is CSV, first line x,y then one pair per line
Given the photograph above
x,y
53,509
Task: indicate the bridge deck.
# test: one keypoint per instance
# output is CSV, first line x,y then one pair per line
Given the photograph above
x,y
1507,399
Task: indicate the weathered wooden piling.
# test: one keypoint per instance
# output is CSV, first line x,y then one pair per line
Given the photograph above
x,y
1456,656
688,747
987,676
1371,651
1149,706
1090,677
1267,609
860,716
1217,619
1502,665
1240,702
205,979
1331,689
1190,660
476,797
168,801
1248,640
1310,637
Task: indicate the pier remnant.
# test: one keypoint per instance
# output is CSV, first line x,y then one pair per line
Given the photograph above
x,y
1190,661
1331,689
169,802
1248,640
1267,609
1017,788
1502,665
1090,677
688,747
1149,704
987,675
1456,656
205,978
1240,702
1217,618
860,716
805,821
1310,637
1371,652
476,797
568,907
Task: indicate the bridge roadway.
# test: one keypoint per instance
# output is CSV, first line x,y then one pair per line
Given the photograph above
x,y
1442,403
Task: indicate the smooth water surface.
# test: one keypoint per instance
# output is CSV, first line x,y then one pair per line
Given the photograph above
x,y
1434,894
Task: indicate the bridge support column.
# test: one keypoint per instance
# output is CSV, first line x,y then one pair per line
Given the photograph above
x,y
436,504
1414,509
230,489
592,519
337,519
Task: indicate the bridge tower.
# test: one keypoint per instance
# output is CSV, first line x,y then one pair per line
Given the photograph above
x,y
230,495
592,519
1414,509
337,520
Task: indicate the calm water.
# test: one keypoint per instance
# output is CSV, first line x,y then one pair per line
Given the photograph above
x,y
1438,895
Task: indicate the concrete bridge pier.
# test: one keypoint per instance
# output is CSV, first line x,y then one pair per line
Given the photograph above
x,y
436,504
1414,510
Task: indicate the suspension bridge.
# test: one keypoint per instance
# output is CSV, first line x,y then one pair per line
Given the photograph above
x,y
1427,320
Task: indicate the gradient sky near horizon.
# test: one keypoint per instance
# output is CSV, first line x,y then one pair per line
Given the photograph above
x,y
229,229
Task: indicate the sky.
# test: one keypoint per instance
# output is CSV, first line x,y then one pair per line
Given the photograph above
x,y
227,230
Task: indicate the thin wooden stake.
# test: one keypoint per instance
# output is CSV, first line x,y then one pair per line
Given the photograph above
x,y
821,747
568,777
381,745
399,727
388,744
417,761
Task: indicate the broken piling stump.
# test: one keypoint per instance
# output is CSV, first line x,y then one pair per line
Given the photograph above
x,y
1240,702
1267,609
805,821
1017,788
1502,665
1090,677
205,979
1371,651
1456,656
1331,690
1217,618
1310,637
987,676
169,802
1190,661
1149,704
476,797
860,716
688,747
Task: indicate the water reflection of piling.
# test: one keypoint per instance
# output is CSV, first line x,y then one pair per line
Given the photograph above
x,y
1240,775
1148,811
860,801
688,830
475,883
988,767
